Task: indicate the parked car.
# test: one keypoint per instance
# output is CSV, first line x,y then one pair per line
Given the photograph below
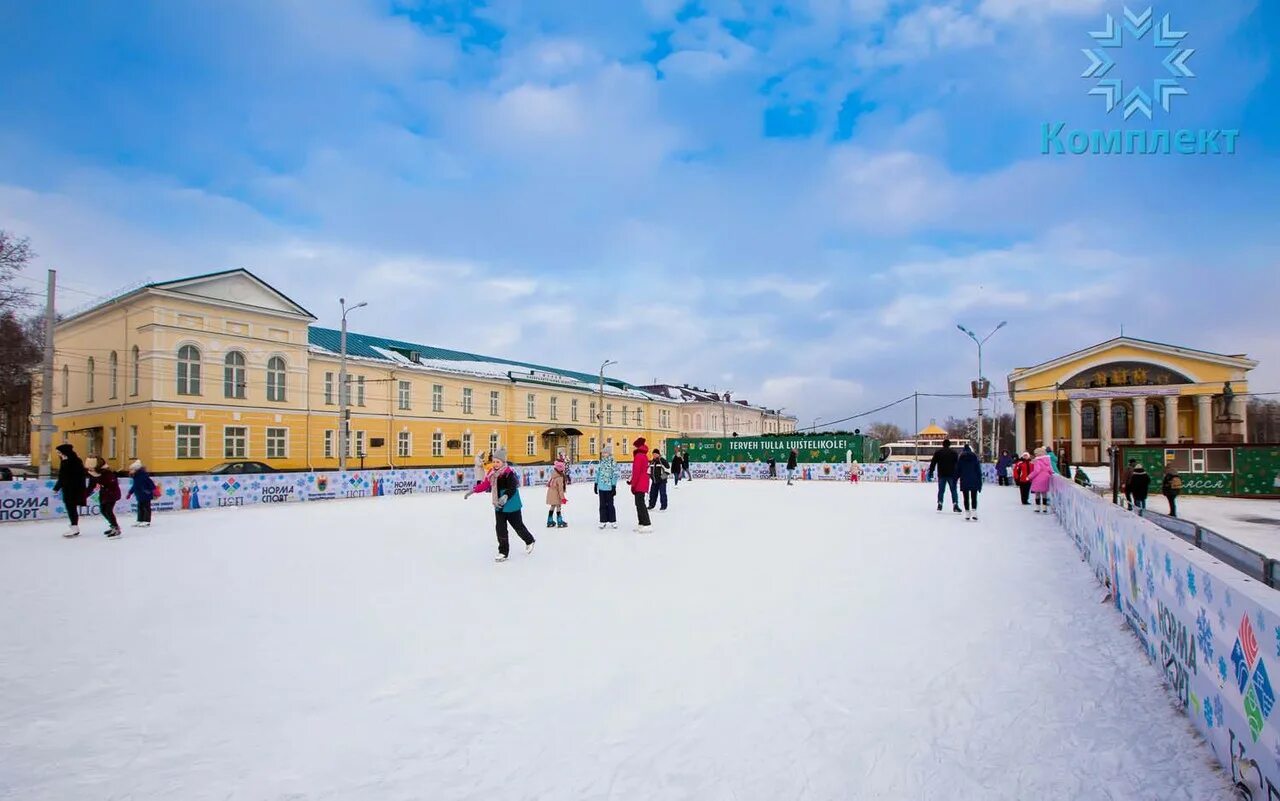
x,y
241,467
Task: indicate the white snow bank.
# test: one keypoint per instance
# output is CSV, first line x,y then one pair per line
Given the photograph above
x,y
821,641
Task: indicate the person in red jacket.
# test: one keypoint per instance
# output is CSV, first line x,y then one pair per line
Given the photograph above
x,y
640,484
1022,477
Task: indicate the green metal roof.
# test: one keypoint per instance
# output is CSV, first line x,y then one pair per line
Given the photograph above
x,y
362,346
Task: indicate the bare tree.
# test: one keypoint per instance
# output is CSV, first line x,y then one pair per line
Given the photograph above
x,y
885,432
1264,421
15,254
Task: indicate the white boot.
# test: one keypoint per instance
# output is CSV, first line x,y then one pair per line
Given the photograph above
x,y
500,558
602,525
966,514
74,531
528,548
613,526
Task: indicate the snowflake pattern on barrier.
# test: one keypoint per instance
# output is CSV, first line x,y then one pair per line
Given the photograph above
x,y
1204,635
1191,582
1208,588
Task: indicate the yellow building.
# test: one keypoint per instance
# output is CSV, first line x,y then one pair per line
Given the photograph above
x,y
1130,391
189,373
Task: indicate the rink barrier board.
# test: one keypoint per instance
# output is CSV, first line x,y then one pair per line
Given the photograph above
x,y
1213,632
34,499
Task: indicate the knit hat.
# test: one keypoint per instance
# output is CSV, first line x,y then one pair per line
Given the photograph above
x,y
607,450
65,449
500,455
1040,451
136,466
559,465
1026,455
639,441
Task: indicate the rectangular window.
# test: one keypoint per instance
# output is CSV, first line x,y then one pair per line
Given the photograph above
x,y
235,442
493,403
329,436
466,444
640,418
277,443
624,446
530,446
359,390
361,450
328,388
404,444
493,444
437,445
573,410
608,414
466,400
133,442
591,446
555,408
405,390
437,397
591,408
1177,458
1219,460
624,415
111,442
189,442
530,408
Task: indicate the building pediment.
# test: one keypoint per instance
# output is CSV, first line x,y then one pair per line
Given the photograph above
x,y
1126,362
236,287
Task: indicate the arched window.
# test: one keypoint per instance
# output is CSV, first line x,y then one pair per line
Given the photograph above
x,y
1155,416
188,370
66,384
113,373
233,375
275,379
1089,422
137,363
88,387
1120,421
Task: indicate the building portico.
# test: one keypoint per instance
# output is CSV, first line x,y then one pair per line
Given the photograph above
x,y
1130,392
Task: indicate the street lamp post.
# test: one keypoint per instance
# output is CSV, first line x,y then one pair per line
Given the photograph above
x,y
344,413
600,411
980,343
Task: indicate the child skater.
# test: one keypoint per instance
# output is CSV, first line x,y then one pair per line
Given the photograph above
x,y
504,485
556,497
104,479
607,488
145,488
1041,478
855,472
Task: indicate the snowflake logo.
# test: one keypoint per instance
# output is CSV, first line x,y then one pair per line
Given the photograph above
x,y
1191,582
1204,634
1168,567
1138,99
1208,588
1222,667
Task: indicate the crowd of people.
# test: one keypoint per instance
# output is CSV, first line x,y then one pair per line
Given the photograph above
x,y
79,479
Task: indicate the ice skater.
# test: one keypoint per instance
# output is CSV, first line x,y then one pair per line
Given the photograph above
x,y
791,466
144,488
1137,487
855,472
556,497
504,485
1003,464
606,487
1124,482
640,484
1170,487
73,483
658,472
944,463
677,466
969,470
1041,479
104,480
1022,477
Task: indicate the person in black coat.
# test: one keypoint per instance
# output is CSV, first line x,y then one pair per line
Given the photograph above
x,y
1170,486
969,471
1137,486
73,483
791,466
944,462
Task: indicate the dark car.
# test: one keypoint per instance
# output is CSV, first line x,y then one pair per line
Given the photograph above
x,y
227,468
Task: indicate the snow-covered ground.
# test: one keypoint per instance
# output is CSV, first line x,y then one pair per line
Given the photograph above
x,y
821,641
1252,522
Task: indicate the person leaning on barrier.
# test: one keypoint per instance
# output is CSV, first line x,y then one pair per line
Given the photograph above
x,y
1170,487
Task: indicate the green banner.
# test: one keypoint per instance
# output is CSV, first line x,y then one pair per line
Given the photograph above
x,y
811,448
1256,470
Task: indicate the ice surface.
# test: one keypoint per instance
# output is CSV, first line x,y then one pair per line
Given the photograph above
x,y
821,641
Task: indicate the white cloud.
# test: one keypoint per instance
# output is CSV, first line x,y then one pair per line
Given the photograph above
x,y
1007,9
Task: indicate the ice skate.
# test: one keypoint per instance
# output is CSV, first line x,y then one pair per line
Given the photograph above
x,y
975,516
528,548
956,508
613,526
939,506
113,533
561,524
602,525
142,525
502,557
967,516
74,531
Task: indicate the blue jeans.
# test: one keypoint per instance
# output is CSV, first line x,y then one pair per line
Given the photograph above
x,y
943,483
658,489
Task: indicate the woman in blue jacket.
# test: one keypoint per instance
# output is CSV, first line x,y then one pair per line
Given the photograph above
x,y
970,473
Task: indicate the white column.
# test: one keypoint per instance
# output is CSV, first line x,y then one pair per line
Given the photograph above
x,y
1046,423
1204,418
1139,421
1104,427
1020,426
1077,431
1171,419
1241,411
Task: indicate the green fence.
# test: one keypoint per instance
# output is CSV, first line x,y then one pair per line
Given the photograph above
x,y
812,448
1240,470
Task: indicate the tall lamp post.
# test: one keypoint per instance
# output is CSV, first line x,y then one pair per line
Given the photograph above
x,y
344,414
980,343
600,411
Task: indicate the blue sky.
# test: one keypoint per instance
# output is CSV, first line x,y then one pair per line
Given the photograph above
x,y
795,201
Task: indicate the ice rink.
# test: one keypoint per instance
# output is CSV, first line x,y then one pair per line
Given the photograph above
x,y
816,642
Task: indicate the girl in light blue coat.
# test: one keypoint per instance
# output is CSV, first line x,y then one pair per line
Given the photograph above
x,y
606,487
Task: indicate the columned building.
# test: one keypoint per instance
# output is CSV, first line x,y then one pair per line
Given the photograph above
x,y
1129,391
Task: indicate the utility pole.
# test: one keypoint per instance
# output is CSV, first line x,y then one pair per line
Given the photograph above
x,y
980,393
600,412
915,435
344,413
46,393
